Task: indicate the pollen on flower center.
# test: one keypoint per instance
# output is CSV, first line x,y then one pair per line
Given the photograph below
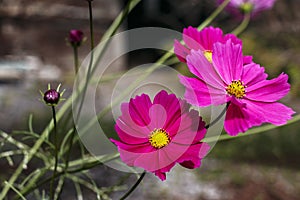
x,y
159,138
208,55
236,88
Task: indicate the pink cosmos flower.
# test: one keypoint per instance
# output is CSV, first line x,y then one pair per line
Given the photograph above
x,y
157,135
203,40
250,97
238,7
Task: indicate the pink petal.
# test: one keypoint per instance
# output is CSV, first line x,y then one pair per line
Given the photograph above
x,y
161,173
260,5
191,129
199,94
159,159
130,135
247,60
130,126
203,69
269,90
207,37
181,51
173,106
192,157
233,38
158,115
191,38
228,61
253,74
134,148
238,119
241,118
275,113
139,109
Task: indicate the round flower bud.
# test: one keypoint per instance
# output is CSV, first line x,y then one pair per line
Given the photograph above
x,y
75,37
51,97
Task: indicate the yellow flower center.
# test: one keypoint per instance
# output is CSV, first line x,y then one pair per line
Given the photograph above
x,y
236,88
208,55
159,138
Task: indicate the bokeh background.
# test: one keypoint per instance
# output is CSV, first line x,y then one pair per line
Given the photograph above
x,y
33,53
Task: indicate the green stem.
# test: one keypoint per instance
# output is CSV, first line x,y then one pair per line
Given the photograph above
x,y
75,52
219,117
91,60
213,15
85,85
238,30
76,66
15,190
134,186
55,152
88,164
91,24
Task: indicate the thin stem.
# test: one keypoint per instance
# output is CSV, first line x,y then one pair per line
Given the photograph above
x,y
243,25
86,83
75,52
55,152
76,66
91,24
219,117
134,186
213,15
15,190
91,59
70,147
87,80
86,166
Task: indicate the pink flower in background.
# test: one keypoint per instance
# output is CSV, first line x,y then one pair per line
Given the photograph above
x,y
157,135
239,7
226,80
203,40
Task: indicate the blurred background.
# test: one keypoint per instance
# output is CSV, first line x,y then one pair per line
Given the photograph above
x,y
34,52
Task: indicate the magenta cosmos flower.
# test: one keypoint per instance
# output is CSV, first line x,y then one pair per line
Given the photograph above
x,y
157,135
203,40
250,97
239,7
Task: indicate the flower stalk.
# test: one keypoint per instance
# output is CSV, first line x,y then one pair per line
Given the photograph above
x,y
134,186
243,25
55,153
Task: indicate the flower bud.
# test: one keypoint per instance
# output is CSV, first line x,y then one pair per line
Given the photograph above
x,y
75,37
51,97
